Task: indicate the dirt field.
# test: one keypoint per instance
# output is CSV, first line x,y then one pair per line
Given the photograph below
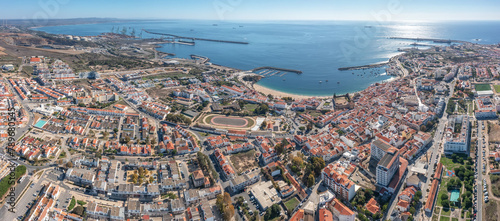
x,y
1,51
494,133
165,92
491,211
243,161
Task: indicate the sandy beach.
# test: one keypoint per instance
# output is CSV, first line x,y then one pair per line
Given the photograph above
x,y
275,93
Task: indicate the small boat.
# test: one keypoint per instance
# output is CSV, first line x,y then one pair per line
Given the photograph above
x,y
326,80
215,25
320,82
338,82
284,79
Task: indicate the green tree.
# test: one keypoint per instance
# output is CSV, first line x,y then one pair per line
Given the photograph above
x,y
445,203
79,210
309,126
412,210
418,194
318,164
105,134
262,109
279,148
444,197
310,180
263,126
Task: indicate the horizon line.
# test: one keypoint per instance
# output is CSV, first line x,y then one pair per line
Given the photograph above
x,y
260,20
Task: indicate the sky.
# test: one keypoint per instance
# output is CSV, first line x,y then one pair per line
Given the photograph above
x,y
366,10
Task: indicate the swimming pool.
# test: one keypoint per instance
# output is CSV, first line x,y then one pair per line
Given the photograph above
x,y
40,123
455,194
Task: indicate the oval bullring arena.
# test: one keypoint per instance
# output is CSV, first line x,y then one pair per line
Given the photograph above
x,y
229,122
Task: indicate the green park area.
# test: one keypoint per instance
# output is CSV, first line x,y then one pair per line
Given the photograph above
x,y
497,88
482,87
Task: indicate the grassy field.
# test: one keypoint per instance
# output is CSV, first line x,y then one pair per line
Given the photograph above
x,y
250,107
449,164
208,119
291,204
446,212
251,122
482,87
314,113
437,210
497,88
435,218
454,219
443,218
442,191
28,70
167,75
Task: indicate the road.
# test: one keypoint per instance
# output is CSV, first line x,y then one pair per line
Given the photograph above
x,y
479,153
394,197
435,150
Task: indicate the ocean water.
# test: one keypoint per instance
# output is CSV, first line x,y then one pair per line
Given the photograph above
x,y
317,48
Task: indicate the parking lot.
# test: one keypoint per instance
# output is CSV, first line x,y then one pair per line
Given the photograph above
x,y
250,201
25,200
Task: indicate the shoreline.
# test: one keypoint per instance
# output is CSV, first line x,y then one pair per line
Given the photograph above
x,y
276,93
265,90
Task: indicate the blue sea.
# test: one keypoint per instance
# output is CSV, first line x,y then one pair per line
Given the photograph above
x,y
317,48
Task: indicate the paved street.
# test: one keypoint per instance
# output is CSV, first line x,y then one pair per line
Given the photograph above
x,y
435,151
479,168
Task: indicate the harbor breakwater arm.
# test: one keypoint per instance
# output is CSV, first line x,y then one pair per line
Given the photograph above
x,y
368,66
277,69
435,40
193,38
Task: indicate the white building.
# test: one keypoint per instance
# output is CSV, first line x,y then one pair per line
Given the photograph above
x,y
240,182
8,67
456,136
47,110
379,148
340,211
387,167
